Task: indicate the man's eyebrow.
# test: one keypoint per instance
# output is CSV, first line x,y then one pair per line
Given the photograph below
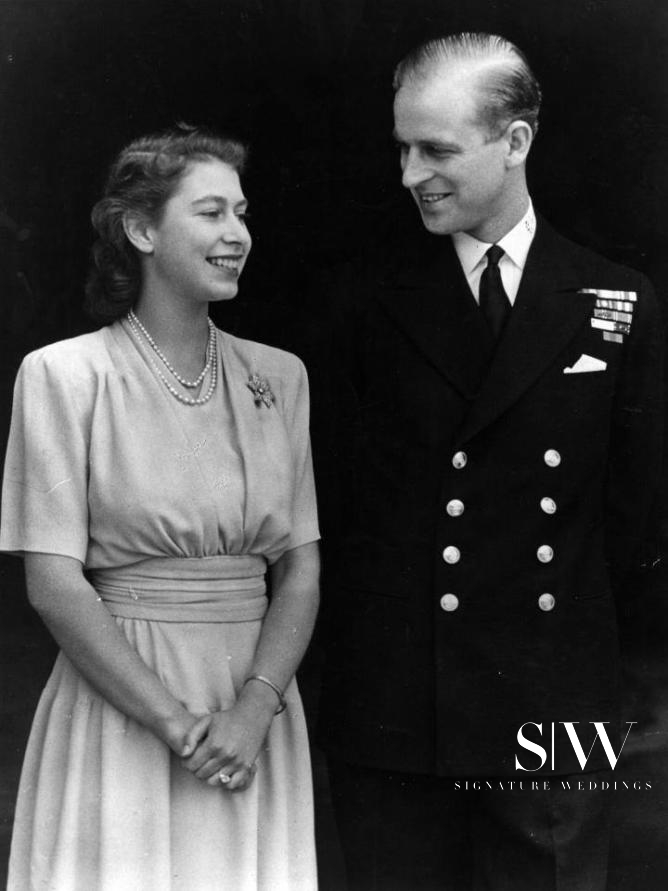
x,y
427,143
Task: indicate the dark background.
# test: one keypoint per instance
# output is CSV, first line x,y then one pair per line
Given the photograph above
x,y
307,83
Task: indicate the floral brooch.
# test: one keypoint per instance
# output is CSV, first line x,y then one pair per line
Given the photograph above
x,y
259,386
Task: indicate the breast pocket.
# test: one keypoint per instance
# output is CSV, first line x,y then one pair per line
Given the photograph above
x,y
580,396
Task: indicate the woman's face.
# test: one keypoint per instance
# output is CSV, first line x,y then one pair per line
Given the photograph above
x,y
200,244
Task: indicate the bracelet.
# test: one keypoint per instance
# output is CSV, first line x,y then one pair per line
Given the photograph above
x,y
282,704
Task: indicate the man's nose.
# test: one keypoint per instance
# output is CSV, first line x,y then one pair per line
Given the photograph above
x,y
414,170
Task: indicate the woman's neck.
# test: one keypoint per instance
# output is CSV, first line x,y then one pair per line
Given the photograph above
x,y
180,330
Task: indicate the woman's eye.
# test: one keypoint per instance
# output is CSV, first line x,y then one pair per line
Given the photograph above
x,y
243,216
212,214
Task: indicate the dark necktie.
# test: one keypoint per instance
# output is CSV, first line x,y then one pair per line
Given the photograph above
x,y
494,301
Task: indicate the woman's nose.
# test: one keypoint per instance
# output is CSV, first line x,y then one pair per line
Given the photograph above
x,y
235,230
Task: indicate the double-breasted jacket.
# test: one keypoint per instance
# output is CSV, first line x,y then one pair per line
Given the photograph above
x,y
495,501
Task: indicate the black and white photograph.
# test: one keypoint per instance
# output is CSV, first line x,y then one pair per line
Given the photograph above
x,y
333,407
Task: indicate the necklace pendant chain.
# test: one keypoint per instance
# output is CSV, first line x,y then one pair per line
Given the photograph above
x,y
210,364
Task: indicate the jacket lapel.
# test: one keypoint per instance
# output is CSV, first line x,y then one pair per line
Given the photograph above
x,y
429,298
547,313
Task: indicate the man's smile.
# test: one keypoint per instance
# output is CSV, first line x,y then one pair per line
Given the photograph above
x,y
432,197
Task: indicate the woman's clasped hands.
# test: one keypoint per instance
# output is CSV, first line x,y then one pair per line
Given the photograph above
x,y
220,748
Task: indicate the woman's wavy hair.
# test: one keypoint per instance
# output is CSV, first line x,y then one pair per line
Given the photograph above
x,y
142,179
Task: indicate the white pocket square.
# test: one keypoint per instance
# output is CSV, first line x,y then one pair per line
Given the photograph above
x,y
586,363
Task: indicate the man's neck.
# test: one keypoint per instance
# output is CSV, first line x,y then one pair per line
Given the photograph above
x,y
514,208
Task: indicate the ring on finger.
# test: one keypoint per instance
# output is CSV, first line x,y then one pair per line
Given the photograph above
x,y
224,778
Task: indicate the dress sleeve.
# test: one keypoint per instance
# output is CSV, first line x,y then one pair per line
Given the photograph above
x,y
44,495
304,508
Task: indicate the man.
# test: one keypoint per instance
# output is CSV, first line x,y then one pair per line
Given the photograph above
x,y
505,391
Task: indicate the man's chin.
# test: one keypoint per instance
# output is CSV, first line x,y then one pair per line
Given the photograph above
x,y
437,224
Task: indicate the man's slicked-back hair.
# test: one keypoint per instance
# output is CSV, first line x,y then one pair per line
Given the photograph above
x,y
508,88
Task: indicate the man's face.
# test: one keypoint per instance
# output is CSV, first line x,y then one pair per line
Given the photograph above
x,y
455,170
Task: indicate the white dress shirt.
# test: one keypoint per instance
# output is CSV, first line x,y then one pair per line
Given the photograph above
x,y
516,244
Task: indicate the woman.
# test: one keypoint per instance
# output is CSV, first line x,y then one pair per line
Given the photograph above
x,y
155,469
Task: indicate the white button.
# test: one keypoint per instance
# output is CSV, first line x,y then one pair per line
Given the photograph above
x,y
552,458
459,460
449,603
455,508
548,505
451,554
545,553
546,602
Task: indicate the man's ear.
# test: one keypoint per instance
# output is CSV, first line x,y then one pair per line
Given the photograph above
x,y
139,232
520,136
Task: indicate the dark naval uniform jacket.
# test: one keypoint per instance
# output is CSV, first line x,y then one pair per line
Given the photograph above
x,y
496,503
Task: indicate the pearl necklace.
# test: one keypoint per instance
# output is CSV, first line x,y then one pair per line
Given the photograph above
x,y
209,352
211,363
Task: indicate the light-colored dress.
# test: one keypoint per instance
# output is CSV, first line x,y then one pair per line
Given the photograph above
x,y
175,512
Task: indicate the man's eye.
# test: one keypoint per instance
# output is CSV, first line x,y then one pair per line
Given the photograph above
x,y
213,214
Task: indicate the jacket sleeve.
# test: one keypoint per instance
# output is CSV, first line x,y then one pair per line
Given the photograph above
x,y
636,437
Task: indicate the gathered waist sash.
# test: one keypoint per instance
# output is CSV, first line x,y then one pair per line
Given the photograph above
x,y
186,589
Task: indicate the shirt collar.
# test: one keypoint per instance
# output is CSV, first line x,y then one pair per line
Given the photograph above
x,y
516,243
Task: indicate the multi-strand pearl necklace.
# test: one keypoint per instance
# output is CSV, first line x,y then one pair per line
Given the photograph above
x,y
210,364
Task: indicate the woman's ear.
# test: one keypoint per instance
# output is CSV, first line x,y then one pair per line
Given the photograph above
x,y
139,232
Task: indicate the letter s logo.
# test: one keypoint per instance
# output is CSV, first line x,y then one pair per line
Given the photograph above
x,y
531,747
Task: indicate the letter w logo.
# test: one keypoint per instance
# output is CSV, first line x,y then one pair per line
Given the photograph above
x,y
602,734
